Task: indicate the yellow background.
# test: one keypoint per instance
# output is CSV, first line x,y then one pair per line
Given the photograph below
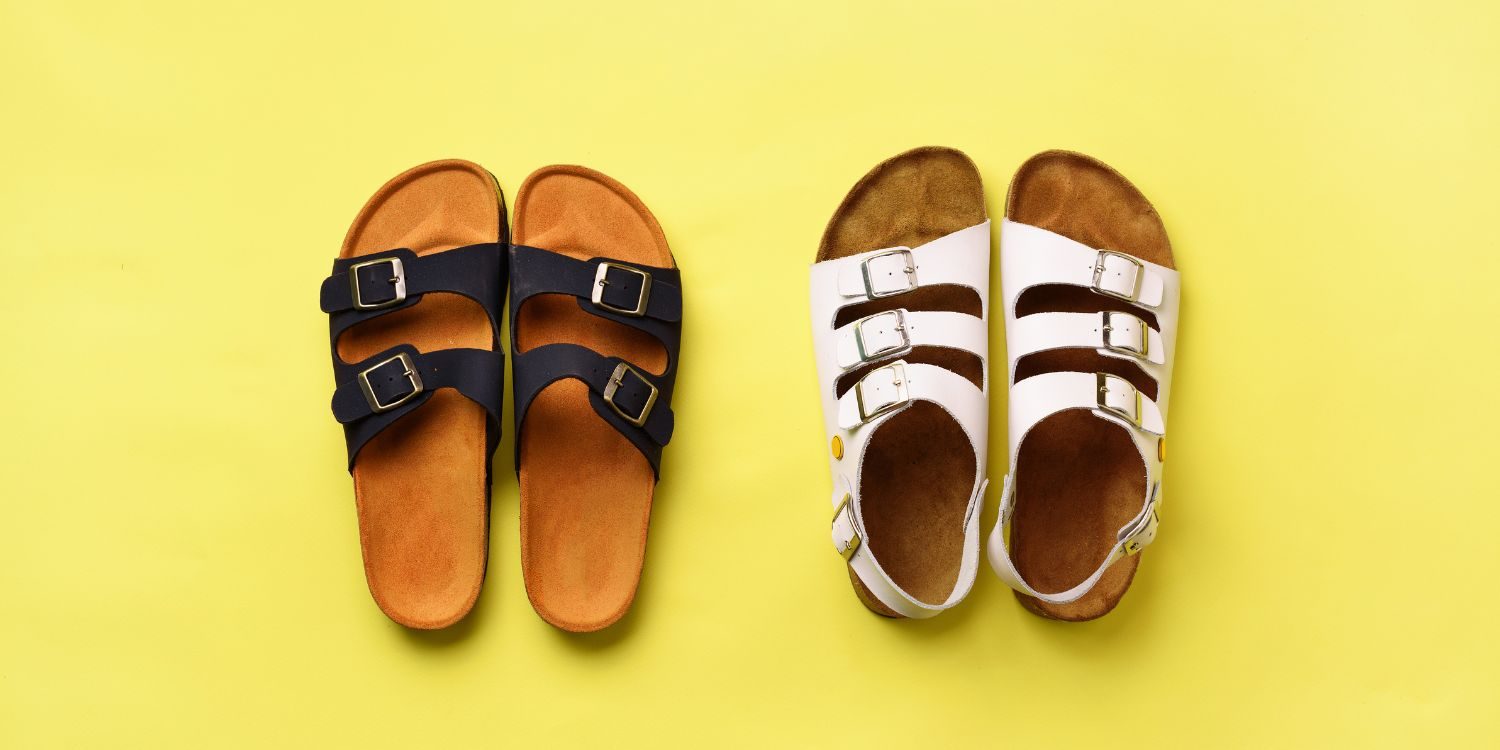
x,y
179,565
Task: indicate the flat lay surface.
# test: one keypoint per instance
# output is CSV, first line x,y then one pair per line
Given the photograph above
x,y
179,553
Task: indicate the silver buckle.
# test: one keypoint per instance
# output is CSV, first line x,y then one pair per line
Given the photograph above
x,y
1135,284
849,549
398,279
601,280
909,268
616,380
1132,414
1137,348
1133,543
409,370
867,352
901,397
1145,526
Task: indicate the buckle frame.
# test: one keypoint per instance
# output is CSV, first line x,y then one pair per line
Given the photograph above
x,y
910,268
1145,526
601,280
398,281
855,540
867,354
1140,350
412,376
1133,416
616,380
898,381
1135,286
1133,543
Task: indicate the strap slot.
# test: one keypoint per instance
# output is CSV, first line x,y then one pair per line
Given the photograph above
x,y
1045,298
936,298
1084,360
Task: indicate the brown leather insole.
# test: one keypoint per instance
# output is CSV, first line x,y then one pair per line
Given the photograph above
x,y
919,467
1078,477
585,490
420,486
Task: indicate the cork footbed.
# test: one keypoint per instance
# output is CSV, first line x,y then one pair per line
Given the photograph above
x,y
918,472
421,485
1079,478
585,490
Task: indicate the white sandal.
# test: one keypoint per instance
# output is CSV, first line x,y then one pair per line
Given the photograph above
x,y
1091,306
900,293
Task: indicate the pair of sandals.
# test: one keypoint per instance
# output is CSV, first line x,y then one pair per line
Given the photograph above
x,y
595,308
900,312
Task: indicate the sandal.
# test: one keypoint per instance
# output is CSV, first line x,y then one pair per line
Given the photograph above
x,y
596,319
1091,301
420,376
900,291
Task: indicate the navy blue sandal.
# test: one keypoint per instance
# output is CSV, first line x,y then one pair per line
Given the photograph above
x,y
596,322
414,318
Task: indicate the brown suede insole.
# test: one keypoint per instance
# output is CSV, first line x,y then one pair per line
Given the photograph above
x,y
420,485
585,490
919,467
1079,478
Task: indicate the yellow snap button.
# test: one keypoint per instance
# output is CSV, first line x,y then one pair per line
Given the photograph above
x,y
1161,449
838,447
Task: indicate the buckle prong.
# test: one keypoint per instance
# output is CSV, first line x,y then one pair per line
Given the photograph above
x,y
1132,415
867,352
409,371
616,381
909,267
1139,348
398,280
601,281
1135,283
901,397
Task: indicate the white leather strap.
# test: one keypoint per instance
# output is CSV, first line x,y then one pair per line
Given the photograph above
x,y
888,389
881,394
851,421
1041,396
1031,257
1130,539
1043,257
1107,396
1114,334
945,260
849,541
894,333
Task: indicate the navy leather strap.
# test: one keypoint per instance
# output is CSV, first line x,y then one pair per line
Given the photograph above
x,y
636,396
374,393
635,402
628,287
369,286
